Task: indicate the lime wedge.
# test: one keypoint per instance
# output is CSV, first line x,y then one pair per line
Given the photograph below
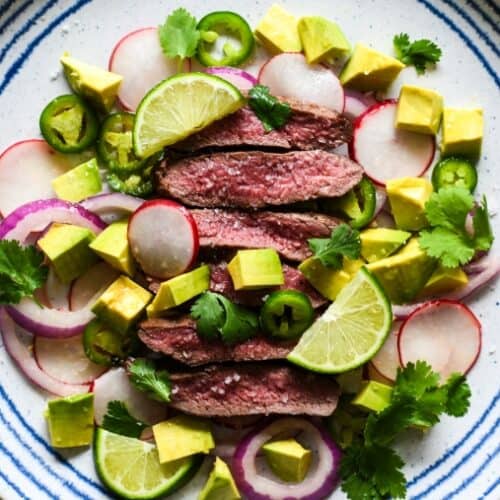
x,y
350,331
131,469
178,107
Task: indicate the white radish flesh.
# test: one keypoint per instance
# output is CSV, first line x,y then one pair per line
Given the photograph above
x,y
115,385
386,152
289,75
163,238
138,57
446,334
65,360
386,361
57,293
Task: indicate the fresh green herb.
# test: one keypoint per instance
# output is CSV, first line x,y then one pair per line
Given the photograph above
x,y
419,53
21,271
145,377
216,315
343,242
449,240
179,36
270,111
370,468
120,421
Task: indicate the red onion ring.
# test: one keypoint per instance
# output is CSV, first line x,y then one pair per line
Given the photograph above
x,y
111,207
238,77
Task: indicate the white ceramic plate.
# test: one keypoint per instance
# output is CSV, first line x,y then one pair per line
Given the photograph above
x,y
457,459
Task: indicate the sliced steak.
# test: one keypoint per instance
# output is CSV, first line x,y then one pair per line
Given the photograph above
x,y
285,232
254,179
177,338
253,389
310,127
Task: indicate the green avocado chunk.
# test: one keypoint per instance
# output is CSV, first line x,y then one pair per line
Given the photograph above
x,y
288,459
71,420
443,280
381,242
374,396
220,484
277,31
462,132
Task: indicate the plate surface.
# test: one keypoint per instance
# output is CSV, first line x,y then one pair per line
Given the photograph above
x,y
457,459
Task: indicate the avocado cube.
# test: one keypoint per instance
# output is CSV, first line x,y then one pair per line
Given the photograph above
x,y
182,436
288,459
419,110
78,183
220,484
121,304
374,396
96,84
381,242
180,289
407,197
368,69
278,32
443,280
404,274
322,39
462,132
112,246
252,269
67,248
71,420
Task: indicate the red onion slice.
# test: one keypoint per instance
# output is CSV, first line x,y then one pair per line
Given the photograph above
x,y
321,479
18,343
111,207
239,78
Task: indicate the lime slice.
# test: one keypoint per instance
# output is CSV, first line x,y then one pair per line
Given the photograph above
x,y
180,106
350,331
130,467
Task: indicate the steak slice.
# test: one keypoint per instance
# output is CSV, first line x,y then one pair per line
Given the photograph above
x,y
254,179
285,232
177,338
253,389
310,127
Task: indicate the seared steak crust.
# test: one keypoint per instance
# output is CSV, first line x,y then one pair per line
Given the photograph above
x,y
253,389
255,179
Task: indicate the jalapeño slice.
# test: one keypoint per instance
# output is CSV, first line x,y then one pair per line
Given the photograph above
x,y
454,172
103,345
69,124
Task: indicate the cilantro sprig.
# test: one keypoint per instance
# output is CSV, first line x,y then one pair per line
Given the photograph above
x,y
119,420
448,239
269,110
145,377
343,242
419,53
21,271
216,315
370,468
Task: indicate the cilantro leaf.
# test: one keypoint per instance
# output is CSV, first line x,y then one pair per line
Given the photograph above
x,y
209,314
449,207
145,377
120,421
419,53
179,36
270,111
414,380
240,324
21,271
458,395
450,248
343,242
483,235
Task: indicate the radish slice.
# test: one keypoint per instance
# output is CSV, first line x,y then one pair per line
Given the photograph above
x,y
386,361
27,169
139,59
289,75
386,152
57,293
356,103
115,385
163,238
256,481
373,374
259,57
65,360
444,333
18,343
111,207
238,77
91,284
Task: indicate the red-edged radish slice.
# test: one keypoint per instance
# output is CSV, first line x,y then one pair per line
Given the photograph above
x,y
27,169
259,57
115,385
386,361
356,103
238,77
65,360
91,284
386,152
289,75
18,343
57,293
444,333
373,374
139,59
163,238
